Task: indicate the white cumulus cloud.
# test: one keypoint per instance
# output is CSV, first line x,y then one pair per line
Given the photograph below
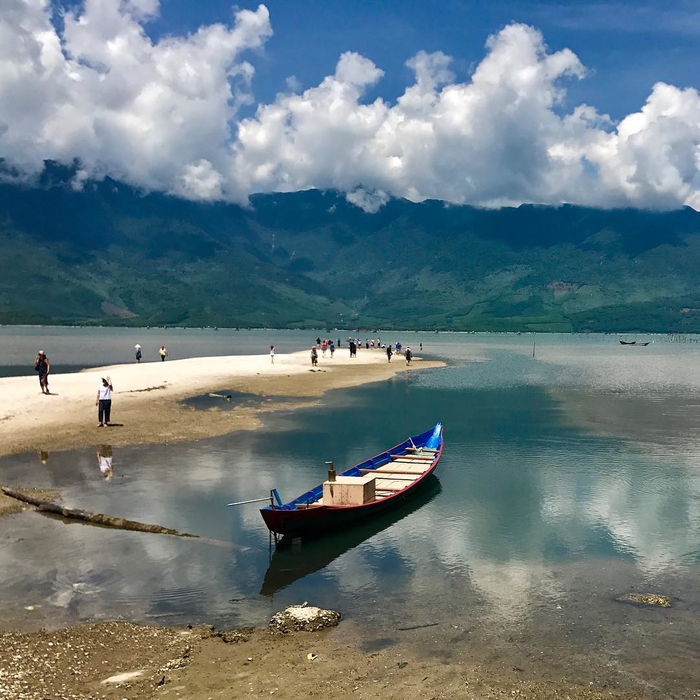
x,y
154,114
163,115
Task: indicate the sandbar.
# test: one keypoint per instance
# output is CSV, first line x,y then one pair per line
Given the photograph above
x,y
147,401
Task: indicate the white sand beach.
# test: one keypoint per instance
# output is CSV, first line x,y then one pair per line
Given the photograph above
x,y
146,400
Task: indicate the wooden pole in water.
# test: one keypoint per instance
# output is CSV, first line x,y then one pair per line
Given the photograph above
x,y
533,349
94,518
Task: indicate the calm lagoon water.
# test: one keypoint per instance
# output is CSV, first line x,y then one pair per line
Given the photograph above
x,y
568,479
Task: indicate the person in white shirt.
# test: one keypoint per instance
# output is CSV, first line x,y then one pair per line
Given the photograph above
x,y
103,401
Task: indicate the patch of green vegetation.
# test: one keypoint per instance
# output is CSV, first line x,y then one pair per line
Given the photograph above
x,y
311,259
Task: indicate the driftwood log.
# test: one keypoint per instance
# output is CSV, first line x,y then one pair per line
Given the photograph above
x,y
94,518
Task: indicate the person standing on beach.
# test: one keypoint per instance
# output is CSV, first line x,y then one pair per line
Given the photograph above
x,y
272,354
138,352
163,353
314,356
408,355
43,367
389,353
103,401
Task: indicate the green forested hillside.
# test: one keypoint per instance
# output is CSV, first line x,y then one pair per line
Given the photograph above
x,y
110,255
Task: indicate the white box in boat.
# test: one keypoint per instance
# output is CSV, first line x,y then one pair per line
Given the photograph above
x,y
349,490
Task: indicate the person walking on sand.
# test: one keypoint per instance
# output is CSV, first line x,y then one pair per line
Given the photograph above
x,y
389,353
103,401
331,347
408,355
163,353
314,356
43,367
272,354
138,352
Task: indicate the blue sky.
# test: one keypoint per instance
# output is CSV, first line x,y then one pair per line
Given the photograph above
x,y
485,103
627,45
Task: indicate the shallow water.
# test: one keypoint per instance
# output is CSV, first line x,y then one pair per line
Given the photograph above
x,y
567,480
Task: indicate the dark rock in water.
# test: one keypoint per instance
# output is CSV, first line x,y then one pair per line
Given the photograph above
x,y
303,618
660,601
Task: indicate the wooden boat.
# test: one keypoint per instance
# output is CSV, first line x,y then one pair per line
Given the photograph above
x,y
363,491
289,562
633,342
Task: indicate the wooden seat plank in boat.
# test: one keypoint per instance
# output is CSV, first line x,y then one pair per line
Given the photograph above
x,y
402,469
392,465
414,458
400,464
411,476
391,481
390,485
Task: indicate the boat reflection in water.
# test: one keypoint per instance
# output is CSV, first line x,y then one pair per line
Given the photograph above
x,y
293,558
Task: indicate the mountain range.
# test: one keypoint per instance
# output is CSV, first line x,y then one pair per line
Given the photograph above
x,y
109,254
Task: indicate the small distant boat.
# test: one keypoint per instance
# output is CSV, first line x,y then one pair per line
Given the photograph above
x,y
363,491
633,342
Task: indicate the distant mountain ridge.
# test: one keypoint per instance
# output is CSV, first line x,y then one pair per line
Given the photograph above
x,y
109,254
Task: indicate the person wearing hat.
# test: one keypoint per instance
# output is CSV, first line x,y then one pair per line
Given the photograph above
x,y
43,367
138,352
103,401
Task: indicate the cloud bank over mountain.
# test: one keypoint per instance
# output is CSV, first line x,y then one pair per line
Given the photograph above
x,y
89,86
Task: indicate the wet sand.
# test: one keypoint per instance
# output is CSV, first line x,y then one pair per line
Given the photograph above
x,y
120,660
